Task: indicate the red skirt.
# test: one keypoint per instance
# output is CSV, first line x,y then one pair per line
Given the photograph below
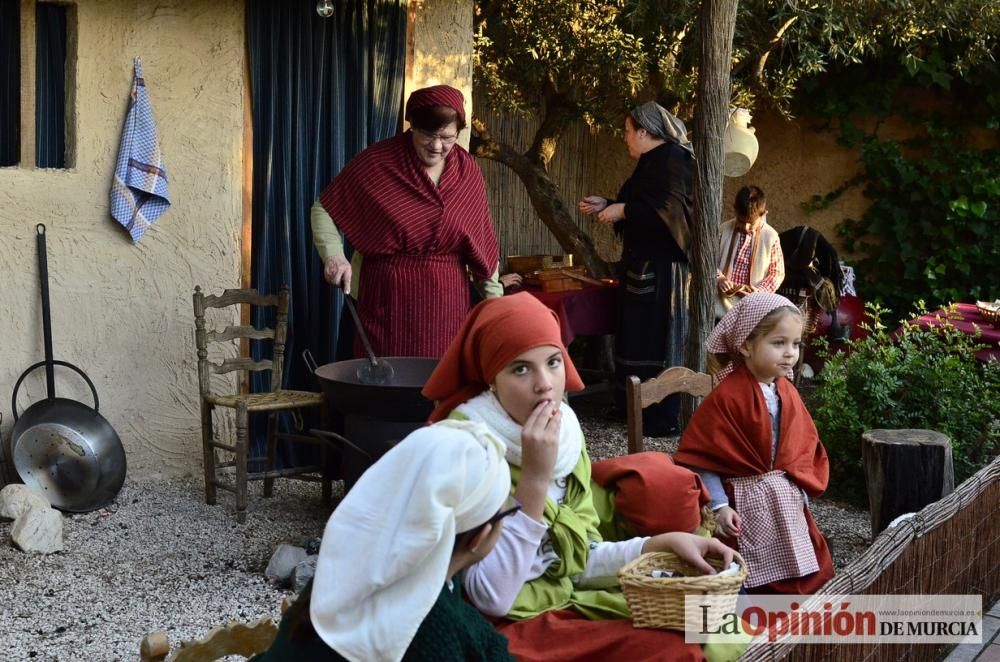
x,y
411,305
564,636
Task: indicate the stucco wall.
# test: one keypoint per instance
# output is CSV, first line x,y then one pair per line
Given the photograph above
x,y
122,312
796,161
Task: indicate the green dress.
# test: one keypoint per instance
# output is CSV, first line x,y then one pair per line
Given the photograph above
x,y
453,631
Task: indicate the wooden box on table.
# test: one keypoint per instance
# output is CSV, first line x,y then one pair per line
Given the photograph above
x,y
556,280
528,264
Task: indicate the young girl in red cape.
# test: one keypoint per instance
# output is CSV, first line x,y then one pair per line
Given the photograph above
x,y
757,449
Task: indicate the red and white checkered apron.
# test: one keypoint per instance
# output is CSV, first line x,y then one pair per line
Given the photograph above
x,y
774,537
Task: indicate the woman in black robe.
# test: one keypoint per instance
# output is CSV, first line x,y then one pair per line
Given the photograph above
x,y
652,214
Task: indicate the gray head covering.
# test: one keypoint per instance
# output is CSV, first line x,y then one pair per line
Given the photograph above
x,y
656,119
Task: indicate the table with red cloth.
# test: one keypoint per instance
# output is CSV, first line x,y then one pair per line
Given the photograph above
x,y
966,319
590,311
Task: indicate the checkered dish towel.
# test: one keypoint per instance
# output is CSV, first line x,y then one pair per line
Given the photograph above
x,y
774,540
139,194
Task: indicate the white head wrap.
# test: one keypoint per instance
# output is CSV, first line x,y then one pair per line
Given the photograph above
x,y
662,123
736,325
386,549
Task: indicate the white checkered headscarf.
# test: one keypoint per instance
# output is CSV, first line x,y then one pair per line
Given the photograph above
x,y
736,326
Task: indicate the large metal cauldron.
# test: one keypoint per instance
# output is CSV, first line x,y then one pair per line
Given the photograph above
x,y
375,416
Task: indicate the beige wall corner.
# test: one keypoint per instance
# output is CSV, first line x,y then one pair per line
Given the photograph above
x,y
439,48
122,312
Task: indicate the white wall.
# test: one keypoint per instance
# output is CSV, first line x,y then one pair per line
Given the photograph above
x,y
122,312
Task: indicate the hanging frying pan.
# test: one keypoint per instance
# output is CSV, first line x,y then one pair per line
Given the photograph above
x,y
62,448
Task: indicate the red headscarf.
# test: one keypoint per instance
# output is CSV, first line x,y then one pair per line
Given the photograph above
x,y
436,95
494,333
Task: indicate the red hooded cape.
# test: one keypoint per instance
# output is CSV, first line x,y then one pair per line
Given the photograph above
x,y
652,493
730,434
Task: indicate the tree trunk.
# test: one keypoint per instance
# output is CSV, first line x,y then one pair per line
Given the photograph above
x,y
544,196
718,21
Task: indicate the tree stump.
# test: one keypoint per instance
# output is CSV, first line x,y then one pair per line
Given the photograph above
x,y
905,470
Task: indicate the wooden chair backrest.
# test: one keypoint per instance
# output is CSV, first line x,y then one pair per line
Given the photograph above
x,y
639,395
232,639
242,297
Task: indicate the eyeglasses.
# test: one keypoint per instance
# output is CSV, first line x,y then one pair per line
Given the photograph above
x,y
431,138
509,507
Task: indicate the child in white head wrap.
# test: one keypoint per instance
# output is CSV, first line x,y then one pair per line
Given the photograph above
x,y
390,545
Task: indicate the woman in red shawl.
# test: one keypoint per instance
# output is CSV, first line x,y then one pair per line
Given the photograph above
x,y
414,206
551,581
754,432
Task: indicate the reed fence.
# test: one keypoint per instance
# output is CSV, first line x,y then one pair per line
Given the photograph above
x,y
951,547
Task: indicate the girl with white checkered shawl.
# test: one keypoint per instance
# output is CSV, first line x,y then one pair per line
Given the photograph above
x,y
756,446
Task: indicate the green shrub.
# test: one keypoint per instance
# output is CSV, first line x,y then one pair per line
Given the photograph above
x,y
930,228
911,378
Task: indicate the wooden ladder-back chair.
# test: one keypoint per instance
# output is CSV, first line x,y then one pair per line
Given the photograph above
x,y
639,395
273,402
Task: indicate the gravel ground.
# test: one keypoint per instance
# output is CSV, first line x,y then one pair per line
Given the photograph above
x,y
159,558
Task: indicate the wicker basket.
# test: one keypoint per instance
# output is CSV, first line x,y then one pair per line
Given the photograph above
x,y
990,312
659,602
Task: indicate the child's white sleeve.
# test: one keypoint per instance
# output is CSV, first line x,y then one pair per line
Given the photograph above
x,y
492,584
605,560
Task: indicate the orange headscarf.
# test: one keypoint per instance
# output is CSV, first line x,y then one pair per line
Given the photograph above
x,y
493,334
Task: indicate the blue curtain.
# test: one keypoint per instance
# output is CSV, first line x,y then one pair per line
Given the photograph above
x,y
10,82
50,85
322,90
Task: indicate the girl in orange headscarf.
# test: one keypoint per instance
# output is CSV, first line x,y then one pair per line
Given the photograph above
x,y
754,432
553,575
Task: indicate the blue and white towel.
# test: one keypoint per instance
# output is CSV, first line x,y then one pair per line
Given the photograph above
x,y
139,193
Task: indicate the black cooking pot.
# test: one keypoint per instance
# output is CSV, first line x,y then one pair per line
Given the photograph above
x,y
375,416
398,400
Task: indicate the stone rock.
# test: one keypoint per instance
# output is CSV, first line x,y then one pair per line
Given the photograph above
x,y
311,545
17,499
282,564
38,530
303,573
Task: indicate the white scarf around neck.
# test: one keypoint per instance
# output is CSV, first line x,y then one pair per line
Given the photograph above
x,y
485,408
